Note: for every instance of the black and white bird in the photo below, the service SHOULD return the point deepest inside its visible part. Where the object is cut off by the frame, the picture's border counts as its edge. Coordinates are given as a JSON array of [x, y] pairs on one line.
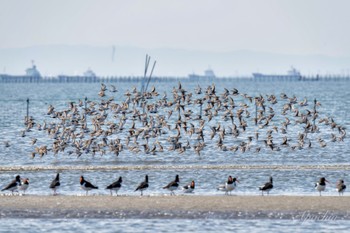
[[55, 184], [115, 186], [24, 185], [143, 186], [229, 186], [173, 185], [189, 188], [321, 185], [13, 186], [341, 187], [87, 186], [266, 187]]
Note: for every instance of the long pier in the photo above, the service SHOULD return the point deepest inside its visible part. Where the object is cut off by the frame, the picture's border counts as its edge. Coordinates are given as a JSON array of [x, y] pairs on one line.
[[136, 79]]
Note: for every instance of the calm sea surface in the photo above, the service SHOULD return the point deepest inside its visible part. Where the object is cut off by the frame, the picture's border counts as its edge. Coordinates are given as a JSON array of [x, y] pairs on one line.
[[294, 170]]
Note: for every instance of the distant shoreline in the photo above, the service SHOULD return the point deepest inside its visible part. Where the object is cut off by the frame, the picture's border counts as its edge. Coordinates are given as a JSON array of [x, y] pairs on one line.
[[285, 207]]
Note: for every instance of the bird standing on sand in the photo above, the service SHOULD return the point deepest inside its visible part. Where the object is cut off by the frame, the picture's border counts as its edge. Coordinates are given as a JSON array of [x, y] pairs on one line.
[[87, 186], [55, 184], [321, 185], [189, 188], [13, 186], [115, 186], [173, 185], [266, 187], [341, 187], [229, 185], [143, 186], [24, 185]]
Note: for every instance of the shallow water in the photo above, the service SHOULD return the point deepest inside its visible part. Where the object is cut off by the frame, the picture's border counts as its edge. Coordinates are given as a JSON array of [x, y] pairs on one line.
[[333, 97], [294, 171], [286, 182], [166, 225]]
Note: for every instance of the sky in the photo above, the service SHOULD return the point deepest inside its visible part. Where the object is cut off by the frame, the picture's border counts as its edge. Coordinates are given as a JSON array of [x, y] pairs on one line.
[[292, 29], [278, 26]]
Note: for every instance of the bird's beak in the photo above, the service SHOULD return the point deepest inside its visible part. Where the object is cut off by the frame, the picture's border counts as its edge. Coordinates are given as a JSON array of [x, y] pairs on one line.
[[327, 181], [238, 181]]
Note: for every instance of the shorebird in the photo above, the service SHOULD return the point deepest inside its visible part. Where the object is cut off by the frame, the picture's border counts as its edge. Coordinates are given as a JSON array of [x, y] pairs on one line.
[[94, 125], [228, 186], [87, 186], [13, 186], [55, 184], [115, 185], [143, 186], [266, 187], [341, 187], [321, 185], [24, 185], [173, 185], [189, 188]]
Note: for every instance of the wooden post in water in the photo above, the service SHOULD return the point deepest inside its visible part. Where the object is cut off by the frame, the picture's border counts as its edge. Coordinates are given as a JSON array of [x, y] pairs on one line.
[[85, 104], [27, 117], [314, 126], [148, 58], [149, 79], [256, 112]]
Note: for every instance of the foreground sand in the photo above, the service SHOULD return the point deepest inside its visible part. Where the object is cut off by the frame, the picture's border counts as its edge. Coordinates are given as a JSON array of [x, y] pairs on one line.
[[177, 203]]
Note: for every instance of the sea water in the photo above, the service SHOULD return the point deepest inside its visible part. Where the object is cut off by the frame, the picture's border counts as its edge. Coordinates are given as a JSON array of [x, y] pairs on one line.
[[294, 171]]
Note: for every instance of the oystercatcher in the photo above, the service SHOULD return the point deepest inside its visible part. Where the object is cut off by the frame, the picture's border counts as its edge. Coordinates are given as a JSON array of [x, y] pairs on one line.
[[341, 187], [189, 188], [13, 186], [55, 184], [143, 185], [86, 185], [115, 186], [266, 187], [24, 185], [229, 185], [173, 185], [321, 185]]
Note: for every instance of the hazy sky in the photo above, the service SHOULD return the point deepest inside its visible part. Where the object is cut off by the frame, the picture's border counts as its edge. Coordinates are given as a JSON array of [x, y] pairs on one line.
[[278, 26]]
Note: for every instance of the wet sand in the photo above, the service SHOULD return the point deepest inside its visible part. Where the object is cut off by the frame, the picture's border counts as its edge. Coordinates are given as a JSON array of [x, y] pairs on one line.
[[177, 203]]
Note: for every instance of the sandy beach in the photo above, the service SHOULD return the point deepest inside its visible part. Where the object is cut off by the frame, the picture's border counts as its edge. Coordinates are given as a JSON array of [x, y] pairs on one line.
[[61, 206]]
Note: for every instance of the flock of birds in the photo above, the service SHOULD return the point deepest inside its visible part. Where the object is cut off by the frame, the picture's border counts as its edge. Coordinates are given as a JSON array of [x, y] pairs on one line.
[[148, 123], [19, 184]]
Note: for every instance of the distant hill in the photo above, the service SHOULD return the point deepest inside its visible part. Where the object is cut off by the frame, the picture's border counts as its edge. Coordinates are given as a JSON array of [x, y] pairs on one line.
[[129, 61]]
